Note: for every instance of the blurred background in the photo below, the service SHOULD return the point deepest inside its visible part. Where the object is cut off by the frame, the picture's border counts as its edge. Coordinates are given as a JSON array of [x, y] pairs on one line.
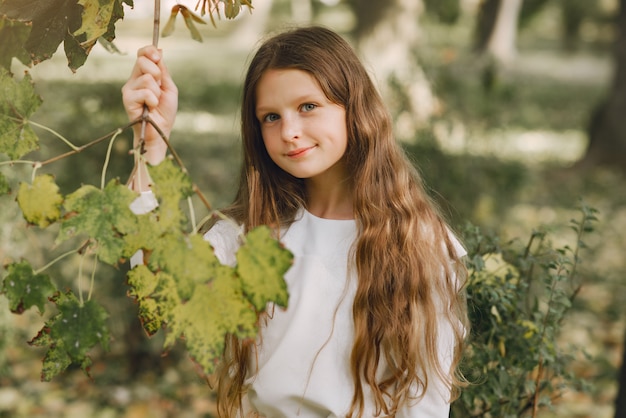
[[513, 110]]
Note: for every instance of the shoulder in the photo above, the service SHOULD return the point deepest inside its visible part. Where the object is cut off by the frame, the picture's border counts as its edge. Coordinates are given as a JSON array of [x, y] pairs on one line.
[[224, 237], [459, 249]]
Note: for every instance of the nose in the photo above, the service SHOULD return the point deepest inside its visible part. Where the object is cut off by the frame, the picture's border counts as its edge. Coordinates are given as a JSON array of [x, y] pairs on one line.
[[290, 128]]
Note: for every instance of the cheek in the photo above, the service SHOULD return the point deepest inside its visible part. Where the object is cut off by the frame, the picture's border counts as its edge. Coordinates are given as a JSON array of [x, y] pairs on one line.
[[270, 140]]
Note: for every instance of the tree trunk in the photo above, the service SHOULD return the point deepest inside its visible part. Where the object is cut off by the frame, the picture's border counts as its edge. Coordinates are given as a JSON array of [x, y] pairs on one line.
[[387, 35], [485, 22], [607, 129], [502, 43]]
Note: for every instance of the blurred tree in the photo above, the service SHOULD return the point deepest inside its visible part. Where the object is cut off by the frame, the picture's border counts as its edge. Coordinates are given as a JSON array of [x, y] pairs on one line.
[[488, 14], [502, 41], [607, 128], [573, 14], [387, 35], [446, 11]]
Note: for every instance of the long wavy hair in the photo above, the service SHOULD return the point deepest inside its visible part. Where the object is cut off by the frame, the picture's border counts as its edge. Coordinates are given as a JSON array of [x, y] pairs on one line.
[[410, 278]]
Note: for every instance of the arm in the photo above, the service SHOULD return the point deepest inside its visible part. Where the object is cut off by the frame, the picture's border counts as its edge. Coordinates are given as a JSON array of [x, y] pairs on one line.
[[151, 85]]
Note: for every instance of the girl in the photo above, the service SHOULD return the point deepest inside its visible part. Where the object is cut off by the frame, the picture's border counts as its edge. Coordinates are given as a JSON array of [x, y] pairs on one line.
[[376, 314]]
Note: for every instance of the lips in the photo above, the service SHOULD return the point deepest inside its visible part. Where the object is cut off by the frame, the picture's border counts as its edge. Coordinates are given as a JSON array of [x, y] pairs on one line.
[[299, 152]]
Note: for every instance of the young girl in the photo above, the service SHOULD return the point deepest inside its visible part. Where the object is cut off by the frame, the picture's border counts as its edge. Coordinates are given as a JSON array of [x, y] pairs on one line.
[[376, 314]]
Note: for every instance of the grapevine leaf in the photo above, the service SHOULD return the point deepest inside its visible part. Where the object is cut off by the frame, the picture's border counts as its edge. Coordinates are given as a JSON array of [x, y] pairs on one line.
[[171, 186], [55, 362], [14, 35], [41, 201], [78, 24], [103, 215], [118, 13], [189, 259], [145, 236], [71, 334], [75, 53], [156, 294], [24, 288], [18, 102], [261, 264], [212, 312], [5, 188], [95, 20], [52, 22]]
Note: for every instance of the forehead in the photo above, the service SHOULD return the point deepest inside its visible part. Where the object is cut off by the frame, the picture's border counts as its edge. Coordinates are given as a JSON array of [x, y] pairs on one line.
[[283, 84]]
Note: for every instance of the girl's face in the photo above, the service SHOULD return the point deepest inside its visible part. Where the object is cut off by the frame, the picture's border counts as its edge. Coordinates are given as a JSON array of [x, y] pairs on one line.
[[304, 133]]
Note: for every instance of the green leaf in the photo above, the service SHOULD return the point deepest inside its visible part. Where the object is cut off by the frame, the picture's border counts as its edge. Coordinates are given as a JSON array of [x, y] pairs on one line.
[[261, 263], [170, 186], [189, 259], [71, 334], [118, 13], [95, 20], [41, 201], [52, 22], [145, 235], [25, 289], [212, 312], [103, 215], [18, 102], [5, 188], [76, 23], [13, 35], [156, 295]]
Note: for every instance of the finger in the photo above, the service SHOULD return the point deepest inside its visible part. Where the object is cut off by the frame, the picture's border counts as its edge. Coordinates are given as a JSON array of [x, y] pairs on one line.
[[135, 98], [151, 52], [166, 79], [145, 66]]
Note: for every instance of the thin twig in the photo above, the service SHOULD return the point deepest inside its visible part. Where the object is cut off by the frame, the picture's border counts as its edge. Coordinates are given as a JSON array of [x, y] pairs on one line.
[[108, 158], [179, 161], [155, 43], [90, 144]]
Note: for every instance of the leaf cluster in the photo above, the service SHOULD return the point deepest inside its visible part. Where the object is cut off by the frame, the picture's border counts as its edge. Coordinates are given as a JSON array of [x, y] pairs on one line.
[[211, 7], [37, 28], [180, 286], [518, 296]]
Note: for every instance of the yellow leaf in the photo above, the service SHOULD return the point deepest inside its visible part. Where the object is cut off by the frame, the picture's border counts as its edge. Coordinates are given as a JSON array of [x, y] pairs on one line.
[[494, 312], [41, 201], [169, 27], [95, 20]]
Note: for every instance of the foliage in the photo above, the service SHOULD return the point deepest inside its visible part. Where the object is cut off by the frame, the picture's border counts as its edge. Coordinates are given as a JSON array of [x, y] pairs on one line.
[[76, 24], [181, 286], [17, 103], [518, 297], [447, 11]]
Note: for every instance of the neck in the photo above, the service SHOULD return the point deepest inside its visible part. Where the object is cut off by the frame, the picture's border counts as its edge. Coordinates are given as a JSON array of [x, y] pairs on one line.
[[329, 198]]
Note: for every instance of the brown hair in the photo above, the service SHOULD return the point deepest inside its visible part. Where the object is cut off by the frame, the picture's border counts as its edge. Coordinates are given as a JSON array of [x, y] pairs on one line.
[[409, 274]]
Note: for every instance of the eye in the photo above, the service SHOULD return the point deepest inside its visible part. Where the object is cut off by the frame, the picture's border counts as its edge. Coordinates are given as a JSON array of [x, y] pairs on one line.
[[307, 107], [271, 117]]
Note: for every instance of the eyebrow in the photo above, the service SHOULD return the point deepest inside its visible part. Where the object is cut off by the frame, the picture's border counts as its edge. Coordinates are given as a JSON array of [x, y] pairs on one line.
[[304, 98]]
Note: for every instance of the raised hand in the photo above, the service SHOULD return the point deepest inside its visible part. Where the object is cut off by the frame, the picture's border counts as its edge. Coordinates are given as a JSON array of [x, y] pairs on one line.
[[150, 84]]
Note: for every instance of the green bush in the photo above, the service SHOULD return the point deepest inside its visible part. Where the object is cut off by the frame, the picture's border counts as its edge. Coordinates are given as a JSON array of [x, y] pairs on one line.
[[518, 296]]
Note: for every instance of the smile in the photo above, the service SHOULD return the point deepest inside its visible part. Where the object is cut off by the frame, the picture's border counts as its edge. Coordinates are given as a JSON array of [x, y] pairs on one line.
[[300, 152]]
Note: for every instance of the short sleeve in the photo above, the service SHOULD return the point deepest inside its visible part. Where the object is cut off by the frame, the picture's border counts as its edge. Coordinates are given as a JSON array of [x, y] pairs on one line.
[[224, 238], [146, 202]]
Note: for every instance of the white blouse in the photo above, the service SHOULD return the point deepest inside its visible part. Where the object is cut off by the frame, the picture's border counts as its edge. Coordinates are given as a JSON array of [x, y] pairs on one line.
[[303, 351]]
